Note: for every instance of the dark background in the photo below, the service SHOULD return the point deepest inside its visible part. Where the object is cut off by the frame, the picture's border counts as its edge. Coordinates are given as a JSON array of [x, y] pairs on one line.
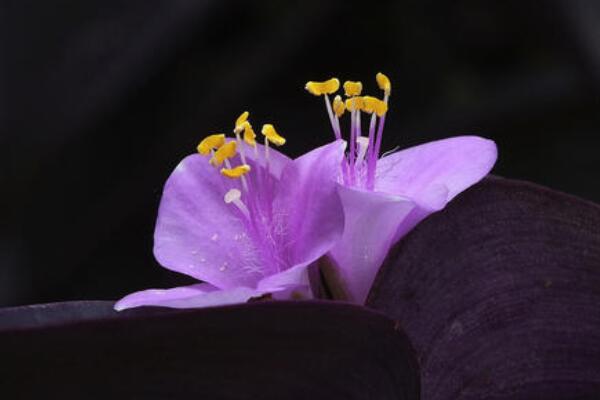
[[101, 99]]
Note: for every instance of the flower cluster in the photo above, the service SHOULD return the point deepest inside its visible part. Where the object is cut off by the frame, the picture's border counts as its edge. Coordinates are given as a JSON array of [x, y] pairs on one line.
[[384, 197], [248, 222]]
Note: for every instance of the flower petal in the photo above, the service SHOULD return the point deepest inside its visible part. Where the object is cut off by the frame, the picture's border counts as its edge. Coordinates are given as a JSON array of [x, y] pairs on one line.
[[372, 220], [194, 296], [199, 235], [433, 173], [308, 207], [296, 276], [277, 160]]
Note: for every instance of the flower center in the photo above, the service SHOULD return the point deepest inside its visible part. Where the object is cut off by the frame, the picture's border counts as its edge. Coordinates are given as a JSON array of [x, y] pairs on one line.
[[254, 196], [222, 151], [360, 163]]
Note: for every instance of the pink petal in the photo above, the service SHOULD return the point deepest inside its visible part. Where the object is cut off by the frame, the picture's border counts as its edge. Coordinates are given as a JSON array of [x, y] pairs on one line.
[[294, 277], [308, 205], [372, 220], [433, 173], [277, 161], [194, 296], [198, 234]]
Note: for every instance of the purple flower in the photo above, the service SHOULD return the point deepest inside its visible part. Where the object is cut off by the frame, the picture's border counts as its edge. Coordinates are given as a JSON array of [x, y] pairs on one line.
[[384, 198], [250, 230]]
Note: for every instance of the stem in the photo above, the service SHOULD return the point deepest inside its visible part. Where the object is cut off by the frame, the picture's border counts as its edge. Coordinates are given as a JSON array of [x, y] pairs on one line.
[[336, 128], [352, 145]]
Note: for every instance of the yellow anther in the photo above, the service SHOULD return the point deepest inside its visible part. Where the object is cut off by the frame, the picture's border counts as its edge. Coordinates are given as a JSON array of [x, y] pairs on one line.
[[354, 103], [210, 143], [271, 134], [228, 150], [374, 105], [338, 106], [235, 172], [249, 135], [352, 88], [242, 118], [384, 83], [319, 88]]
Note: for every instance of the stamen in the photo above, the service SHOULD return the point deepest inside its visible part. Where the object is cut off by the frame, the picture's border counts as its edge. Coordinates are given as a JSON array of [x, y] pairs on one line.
[[352, 88], [358, 123], [363, 145], [384, 83], [226, 151], [371, 139], [332, 120], [240, 121], [338, 111], [239, 145], [319, 88], [234, 196], [271, 134], [374, 105], [338, 106], [236, 172], [249, 135], [325, 88], [354, 103], [242, 177], [267, 163], [211, 142]]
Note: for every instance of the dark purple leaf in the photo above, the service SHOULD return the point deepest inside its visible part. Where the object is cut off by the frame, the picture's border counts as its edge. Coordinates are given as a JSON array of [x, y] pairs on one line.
[[500, 295], [262, 350]]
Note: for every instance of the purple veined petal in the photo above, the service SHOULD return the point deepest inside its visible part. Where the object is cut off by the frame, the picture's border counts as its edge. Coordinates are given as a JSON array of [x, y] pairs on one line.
[[433, 173], [193, 296], [294, 292], [308, 207], [296, 276], [372, 220], [198, 234], [277, 160], [283, 285]]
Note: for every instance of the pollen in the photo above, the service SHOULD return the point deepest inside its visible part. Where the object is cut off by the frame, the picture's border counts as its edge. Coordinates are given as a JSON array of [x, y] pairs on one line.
[[249, 135], [354, 103], [228, 150], [320, 88], [240, 121], [338, 106], [384, 83], [374, 105], [271, 134], [236, 172], [210, 143], [352, 89]]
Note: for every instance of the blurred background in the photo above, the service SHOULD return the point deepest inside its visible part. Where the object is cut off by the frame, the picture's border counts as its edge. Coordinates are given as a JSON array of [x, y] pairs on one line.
[[101, 99]]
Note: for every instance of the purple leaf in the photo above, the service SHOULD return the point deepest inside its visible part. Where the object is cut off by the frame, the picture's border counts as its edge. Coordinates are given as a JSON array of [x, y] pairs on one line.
[[267, 350], [500, 294]]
